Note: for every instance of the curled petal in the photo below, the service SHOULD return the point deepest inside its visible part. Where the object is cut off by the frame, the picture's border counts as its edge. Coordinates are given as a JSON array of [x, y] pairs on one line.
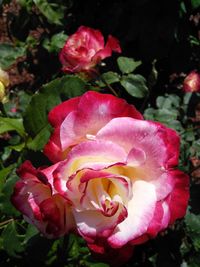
[[147, 136], [136, 157], [92, 154], [92, 224], [113, 43], [80, 118], [140, 213]]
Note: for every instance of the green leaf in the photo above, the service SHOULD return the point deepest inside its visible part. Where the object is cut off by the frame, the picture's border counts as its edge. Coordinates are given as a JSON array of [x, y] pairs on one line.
[[149, 114], [187, 98], [40, 139], [52, 254], [167, 111], [127, 65], [11, 240], [9, 54], [27, 4], [56, 42], [194, 261], [135, 85], [18, 147], [175, 124], [99, 265], [52, 11], [167, 102], [73, 246], [35, 117], [193, 222], [24, 100], [30, 232], [10, 124], [6, 206], [195, 4], [193, 228], [4, 173], [194, 41], [166, 115], [110, 77]]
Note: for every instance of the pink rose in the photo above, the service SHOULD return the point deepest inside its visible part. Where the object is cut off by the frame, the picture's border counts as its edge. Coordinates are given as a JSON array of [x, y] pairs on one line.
[[85, 49], [35, 198], [119, 170], [115, 174], [192, 82], [122, 184]]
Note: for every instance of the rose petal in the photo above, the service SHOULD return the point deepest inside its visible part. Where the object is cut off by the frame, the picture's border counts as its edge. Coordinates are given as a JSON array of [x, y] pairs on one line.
[[56, 212], [115, 257], [113, 43], [140, 213], [136, 157], [92, 154], [77, 119], [147, 136], [58, 114], [91, 224], [93, 112], [178, 199]]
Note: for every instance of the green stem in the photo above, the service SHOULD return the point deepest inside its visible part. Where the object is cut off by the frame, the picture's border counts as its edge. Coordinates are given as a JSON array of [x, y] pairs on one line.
[[144, 102], [6, 222], [109, 86]]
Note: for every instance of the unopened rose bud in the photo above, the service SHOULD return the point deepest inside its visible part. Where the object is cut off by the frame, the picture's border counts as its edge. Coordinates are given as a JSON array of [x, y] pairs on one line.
[[4, 78], [192, 82], [2, 91]]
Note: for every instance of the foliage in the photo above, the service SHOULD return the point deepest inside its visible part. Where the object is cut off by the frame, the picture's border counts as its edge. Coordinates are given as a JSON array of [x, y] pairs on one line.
[[9, 53]]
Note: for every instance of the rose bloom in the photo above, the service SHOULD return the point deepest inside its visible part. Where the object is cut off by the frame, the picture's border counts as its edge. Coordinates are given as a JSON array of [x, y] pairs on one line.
[[4, 82], [192, 82], [85, 49], [114, 180]]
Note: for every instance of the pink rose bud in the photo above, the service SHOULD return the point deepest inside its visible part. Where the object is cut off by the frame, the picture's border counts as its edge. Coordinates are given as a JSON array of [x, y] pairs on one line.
[[85, 49], [192, 82]]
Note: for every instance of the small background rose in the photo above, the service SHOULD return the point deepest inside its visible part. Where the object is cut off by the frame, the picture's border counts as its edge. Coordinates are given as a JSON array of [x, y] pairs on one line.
[[192, 82], [85, 49]]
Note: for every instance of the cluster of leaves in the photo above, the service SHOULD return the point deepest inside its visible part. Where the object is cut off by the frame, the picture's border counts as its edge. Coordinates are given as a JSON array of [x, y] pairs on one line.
[[24, 133], [134, 84]]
